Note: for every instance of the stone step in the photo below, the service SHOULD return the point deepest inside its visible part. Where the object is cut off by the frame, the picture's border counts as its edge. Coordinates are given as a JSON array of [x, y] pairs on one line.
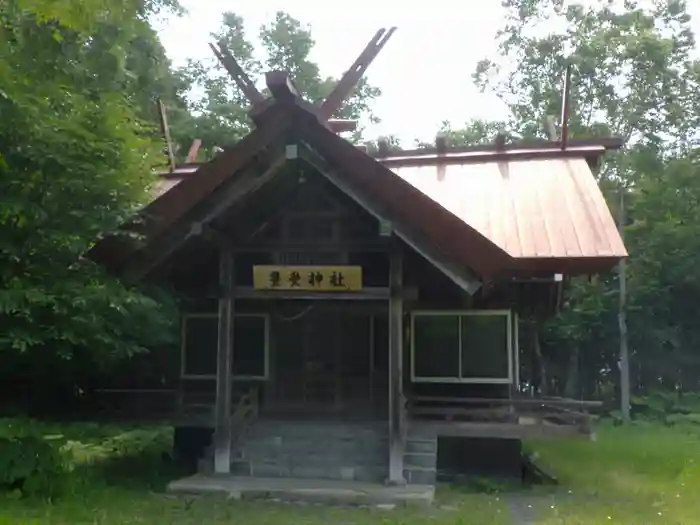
[[420, 460], [420, 457], [421, 446], [328, 454], [320, 461], [324, 434], [420, 476], [311, 440], [264, 469], [333, 450]]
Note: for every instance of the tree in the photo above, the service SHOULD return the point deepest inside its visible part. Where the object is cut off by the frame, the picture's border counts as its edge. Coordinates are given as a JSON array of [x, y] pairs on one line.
[[76, 158], [220, 112], [473, 133], [634, 76]]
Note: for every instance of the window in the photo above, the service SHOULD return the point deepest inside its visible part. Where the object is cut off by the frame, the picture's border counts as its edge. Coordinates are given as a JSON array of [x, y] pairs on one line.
[[462, 347], [200, 336]]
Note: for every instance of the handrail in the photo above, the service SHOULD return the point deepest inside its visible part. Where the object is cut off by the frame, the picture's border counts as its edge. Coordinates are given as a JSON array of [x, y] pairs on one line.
[[523, 401], [527, 411], [245, 412]]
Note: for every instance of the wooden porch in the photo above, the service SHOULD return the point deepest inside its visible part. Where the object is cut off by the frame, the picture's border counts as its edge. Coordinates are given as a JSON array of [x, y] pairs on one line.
[[508, 418]]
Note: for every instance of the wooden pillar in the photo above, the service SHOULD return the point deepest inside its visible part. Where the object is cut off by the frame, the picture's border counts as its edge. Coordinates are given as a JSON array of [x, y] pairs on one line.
[[222, 432], [397, 416]]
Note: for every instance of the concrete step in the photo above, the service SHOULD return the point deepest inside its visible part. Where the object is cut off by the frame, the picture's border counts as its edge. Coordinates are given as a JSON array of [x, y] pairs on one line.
[[312, 491], [421, 446], [356, 451], [420, 460], [420, 476], [348, 473], [420, 457]]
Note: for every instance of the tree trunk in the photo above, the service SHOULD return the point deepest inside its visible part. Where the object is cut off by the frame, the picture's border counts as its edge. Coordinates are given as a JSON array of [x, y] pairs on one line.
[[572, 374], [539, 360]]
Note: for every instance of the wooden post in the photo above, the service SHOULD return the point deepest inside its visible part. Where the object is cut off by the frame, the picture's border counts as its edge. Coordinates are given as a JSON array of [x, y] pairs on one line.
[[622, 321], [397, 416], [222, 432], [165, 129], [565, 107]]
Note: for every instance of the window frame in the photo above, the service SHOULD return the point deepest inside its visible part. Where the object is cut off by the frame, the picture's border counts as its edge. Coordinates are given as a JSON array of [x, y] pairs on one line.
[[458, 379], [183, 349]]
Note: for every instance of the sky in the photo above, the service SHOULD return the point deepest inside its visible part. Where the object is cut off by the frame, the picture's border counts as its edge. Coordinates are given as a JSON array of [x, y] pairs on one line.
[[424, 70]]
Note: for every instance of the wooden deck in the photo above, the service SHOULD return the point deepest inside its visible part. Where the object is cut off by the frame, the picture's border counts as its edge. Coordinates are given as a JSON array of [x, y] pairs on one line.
[[516, 418], [508, 418]]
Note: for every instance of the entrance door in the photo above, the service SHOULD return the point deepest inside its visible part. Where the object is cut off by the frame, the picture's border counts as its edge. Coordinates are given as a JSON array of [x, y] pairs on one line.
[[324, 364], [321, 362]]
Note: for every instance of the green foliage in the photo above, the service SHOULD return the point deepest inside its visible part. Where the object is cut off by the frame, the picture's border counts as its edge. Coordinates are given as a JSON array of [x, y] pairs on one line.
[[473, 133], [75, 161], [633, 72], [669, 408], [31, 466], [635, 75], [113, 482]]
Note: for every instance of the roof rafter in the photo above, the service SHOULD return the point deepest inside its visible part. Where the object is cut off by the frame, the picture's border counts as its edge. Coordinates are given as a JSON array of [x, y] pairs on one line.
[[242, 80], [285, 87], [353, 75]]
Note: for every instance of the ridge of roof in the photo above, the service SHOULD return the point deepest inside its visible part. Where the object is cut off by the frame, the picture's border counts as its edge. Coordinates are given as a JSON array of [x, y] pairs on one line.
[[524, 150]]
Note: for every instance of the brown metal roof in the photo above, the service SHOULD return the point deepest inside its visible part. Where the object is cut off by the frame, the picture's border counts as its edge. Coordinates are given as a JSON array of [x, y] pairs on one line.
[[164, 185], [496, 217], [405, 206], [532, 209]]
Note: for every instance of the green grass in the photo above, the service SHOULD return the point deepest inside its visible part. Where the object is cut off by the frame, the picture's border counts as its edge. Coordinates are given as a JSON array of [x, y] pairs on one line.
[[641, 474], [119, 477]]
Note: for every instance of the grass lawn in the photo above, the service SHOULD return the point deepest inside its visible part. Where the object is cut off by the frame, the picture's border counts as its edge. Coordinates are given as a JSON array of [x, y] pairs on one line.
[[642, 474], [120, 476], [632, 475]]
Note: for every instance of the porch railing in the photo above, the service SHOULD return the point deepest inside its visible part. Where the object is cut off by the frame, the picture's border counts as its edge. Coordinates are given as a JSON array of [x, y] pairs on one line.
[[540, 412], [244, 413]]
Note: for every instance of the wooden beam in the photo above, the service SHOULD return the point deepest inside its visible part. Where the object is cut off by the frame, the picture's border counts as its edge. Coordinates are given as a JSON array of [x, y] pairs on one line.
[[224, 360], [503, 430], [281, 86], [607, 143], [492, 156], [397, 403], [239, 76], [550, 128], [500, 414], [527, 401], [339, 125], [441, 143], [194, 149], [379, 246], [353, 75], [372, 293], [383, 146], [165, 129], [461, 276], [564, 125], [162, 247]]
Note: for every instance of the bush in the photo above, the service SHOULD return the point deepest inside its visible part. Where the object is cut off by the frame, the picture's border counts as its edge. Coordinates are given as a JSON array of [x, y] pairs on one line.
[[30, 466], [669, 408]]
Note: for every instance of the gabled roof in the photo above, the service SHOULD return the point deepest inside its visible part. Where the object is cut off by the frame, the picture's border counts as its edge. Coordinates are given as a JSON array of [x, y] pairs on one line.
[[179, 200], [547, 213], [531, 210]]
